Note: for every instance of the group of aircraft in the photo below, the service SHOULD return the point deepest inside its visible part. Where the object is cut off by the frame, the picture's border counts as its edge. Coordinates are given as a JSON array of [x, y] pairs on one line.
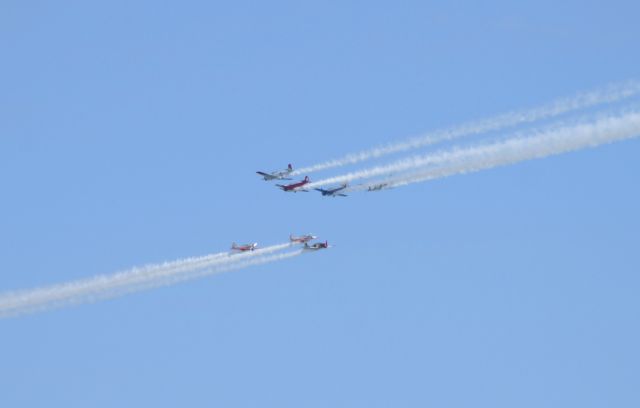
[[299, 186], [294, 187], [303, 239]]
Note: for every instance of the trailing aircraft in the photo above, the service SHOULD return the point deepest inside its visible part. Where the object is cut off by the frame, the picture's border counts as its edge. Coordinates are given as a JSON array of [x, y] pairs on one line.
[[276, 175], [378, 187]]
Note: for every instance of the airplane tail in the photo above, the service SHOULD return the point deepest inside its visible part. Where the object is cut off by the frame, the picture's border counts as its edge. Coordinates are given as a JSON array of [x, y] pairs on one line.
[[290, 167]]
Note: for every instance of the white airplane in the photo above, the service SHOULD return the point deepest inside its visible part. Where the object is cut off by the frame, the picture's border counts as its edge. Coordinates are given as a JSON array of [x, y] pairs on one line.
[[245, 247], [276, 175], [302, 239]]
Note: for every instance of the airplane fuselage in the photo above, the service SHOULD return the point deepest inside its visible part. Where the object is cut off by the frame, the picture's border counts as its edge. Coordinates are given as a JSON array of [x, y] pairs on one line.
[[276, 175], [292, 187], [244, 248], [295, 186], [316, 246], [303, 239], [334, 192]]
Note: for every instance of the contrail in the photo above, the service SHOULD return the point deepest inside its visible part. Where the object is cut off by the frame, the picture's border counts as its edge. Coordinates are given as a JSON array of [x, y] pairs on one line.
[[108, 286], [198, 273], [414, 162], [609, 94], [543, 144]]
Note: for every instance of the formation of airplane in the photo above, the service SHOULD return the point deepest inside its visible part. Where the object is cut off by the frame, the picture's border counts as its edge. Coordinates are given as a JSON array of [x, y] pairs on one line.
[[295, 187], [276, 175], [299, 185], [245, 247], [333, 192], [303, 239]]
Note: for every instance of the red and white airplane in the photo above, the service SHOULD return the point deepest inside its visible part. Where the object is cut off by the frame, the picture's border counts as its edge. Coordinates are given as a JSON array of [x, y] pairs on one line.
[[245, 247], [295, 187], [302, 239], [276, 175], [316, 246]]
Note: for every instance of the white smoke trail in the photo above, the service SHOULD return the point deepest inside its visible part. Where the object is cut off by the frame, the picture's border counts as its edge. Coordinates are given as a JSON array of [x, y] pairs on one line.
[[584, 100], [543, 144], [414, 162], [198, 273], [108, 286]]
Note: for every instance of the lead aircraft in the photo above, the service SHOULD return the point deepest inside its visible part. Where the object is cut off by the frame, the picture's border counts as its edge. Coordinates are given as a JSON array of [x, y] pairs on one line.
[[276, 175], [303, 239]]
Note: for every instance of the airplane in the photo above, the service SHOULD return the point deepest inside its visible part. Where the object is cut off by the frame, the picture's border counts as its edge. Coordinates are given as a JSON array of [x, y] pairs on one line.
[[276, 175], [295, 187], [334, 192], [317, 246], [302, 239], [377, 187], [245, 247]]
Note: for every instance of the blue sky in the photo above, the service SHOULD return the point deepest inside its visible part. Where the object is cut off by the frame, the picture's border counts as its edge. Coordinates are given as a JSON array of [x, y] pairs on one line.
[[129, 134]]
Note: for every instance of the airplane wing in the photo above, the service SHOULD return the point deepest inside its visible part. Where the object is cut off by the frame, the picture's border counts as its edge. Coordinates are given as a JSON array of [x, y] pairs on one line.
[[266, 176]]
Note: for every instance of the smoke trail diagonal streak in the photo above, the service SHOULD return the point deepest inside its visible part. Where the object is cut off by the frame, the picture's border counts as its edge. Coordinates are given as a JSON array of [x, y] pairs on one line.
[[414, 162], [106, 286], [610, 94], [553, 142]]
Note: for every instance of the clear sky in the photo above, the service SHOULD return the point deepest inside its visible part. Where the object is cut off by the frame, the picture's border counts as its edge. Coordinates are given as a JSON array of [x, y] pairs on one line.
[[130, 133]]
